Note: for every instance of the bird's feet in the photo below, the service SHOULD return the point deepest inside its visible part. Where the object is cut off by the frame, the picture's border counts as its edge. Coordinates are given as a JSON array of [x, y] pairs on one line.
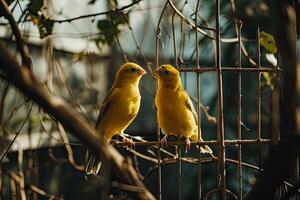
[[164, 141], [127, 142], [187, 145]]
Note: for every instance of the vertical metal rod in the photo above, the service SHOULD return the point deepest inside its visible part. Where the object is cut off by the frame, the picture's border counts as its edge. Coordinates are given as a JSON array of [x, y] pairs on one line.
[[199, 137], [239, 111], [159, 196], [174, 39], [158, 136], [258, 100], [198, 99], [178, 149], [196, 32], [297, 175], [275, 102], [179, 171], [157, 49], [220, 120]]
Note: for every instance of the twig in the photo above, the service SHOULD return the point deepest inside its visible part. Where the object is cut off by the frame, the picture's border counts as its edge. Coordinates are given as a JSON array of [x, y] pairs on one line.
[[28, 84], [137, 166], [68, 148], [21, 181], [205, 109], [14, 110], [137, 43], [54, 64], [17, 133], [117, 37], [13, 190], [97, 14], [2, 101], [26, 60], [32, 187], [244, 50]]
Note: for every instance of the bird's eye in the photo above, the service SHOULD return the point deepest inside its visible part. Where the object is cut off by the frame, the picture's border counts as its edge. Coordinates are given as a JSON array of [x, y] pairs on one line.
[[166, 72], [132, 69]]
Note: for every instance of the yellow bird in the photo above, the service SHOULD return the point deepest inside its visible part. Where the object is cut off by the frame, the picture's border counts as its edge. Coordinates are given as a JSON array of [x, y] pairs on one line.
[[176, 114], [119, 109], [268, 42]]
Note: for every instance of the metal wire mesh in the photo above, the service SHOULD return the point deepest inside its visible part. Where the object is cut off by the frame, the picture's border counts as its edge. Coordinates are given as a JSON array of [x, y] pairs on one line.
[[222, 143]]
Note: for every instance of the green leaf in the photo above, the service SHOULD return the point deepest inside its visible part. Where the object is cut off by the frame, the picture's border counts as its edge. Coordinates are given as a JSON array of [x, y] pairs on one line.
[[107, 35], [120, 19], [45, 26], [108, 30], [104, 25], [35, 6]]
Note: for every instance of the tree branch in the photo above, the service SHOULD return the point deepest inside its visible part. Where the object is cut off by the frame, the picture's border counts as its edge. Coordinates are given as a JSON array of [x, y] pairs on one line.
[[97, 14], [27, 83], [26, 60]]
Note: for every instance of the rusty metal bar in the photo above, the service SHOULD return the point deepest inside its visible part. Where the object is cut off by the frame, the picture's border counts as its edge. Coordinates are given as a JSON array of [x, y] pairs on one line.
[[178, 148], [199, 137], [208, 142], [220, 122], [230, 69], [174, 40], [239, 112], [258, 98], [199, 184], [159, 165], [157, 51]]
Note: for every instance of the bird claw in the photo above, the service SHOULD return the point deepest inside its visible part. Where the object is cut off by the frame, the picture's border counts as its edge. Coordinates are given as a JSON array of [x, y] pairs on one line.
[[187, 145], [164, 142], [128, 142]]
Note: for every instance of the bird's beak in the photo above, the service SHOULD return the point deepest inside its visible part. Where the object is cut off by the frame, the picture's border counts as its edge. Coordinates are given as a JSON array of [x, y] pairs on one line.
[[156, 72], [142, 72]]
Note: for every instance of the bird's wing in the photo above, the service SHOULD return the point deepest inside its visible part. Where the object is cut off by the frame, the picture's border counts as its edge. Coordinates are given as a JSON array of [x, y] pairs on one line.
[[190, 106], [105, 106]]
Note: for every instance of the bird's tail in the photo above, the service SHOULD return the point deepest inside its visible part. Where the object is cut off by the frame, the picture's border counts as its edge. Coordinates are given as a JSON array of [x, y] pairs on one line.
[[92, 163], [203, 148]]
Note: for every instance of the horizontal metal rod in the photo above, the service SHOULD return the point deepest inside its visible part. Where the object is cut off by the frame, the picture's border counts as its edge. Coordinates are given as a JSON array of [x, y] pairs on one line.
[[231, 69], [213, 142]]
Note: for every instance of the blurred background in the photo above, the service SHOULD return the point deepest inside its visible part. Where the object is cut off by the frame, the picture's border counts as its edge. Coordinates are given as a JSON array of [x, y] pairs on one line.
[[76, 48]]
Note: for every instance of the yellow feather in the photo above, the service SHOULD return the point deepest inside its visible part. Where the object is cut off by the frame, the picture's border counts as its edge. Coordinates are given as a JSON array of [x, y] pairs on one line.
[[119, 108], [122, 103], [175, 112]]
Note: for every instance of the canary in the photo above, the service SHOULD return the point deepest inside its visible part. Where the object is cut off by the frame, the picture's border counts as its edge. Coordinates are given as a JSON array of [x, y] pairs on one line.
[[268, 42], [176, 114], [119, 109]]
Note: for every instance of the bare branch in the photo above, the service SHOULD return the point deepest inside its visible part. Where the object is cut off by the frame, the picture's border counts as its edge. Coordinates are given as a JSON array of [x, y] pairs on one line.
[[68, 148], [17, 133], [26, 60], [27, 83], [32, 187], [100, 13]]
